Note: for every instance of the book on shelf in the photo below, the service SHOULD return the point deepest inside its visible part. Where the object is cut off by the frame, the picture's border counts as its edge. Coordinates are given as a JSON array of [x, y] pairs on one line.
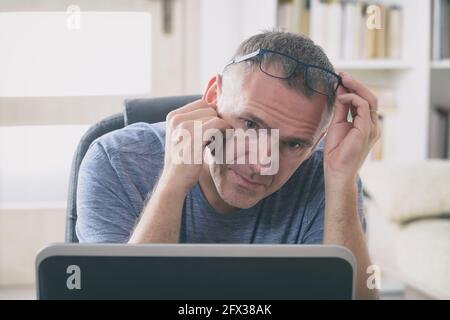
[[440, 48], [339, 27], [394, 40], [440, 133], [293, 16], [305, 16], [284, 13], [333, 34], [350, 29]]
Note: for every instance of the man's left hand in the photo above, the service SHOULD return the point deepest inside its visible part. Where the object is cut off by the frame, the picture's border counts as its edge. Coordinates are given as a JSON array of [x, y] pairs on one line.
[[348, 143]]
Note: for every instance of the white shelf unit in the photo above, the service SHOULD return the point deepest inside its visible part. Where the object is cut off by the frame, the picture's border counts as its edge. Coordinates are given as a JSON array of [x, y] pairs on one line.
[[440, 64], [406, 130], [380, 64]]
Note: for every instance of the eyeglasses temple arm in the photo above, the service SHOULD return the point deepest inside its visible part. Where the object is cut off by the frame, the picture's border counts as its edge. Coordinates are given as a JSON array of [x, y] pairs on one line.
[[244, 57]]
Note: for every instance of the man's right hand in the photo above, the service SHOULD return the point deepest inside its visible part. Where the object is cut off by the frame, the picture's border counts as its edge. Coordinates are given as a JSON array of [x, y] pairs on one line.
[[183, 175], [160, 220]]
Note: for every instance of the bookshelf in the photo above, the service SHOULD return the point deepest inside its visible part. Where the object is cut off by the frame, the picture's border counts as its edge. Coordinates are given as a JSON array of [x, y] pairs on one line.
[[379, 64], [418, 81], [441, 64], [439, 135]]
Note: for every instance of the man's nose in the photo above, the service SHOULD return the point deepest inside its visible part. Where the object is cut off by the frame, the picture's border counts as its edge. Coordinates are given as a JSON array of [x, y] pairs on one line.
[[268, 154], [262, 159], [260, 169]]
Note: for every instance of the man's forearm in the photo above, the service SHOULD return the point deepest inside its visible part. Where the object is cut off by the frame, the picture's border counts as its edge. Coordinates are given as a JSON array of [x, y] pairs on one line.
[[343, 227], [161, 218]]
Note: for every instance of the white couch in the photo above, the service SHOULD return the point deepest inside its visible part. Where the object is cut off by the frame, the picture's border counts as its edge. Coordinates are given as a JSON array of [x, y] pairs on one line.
[[409, 222]]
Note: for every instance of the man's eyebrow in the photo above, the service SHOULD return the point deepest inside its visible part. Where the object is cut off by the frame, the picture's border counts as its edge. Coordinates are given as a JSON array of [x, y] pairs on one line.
[[305, 142]]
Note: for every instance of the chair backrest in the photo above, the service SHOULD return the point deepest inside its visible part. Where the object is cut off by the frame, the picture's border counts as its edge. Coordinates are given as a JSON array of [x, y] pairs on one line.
[[135, 110]]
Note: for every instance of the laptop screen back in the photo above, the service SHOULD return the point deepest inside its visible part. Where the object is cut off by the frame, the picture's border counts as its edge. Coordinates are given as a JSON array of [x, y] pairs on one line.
[[190, 275]]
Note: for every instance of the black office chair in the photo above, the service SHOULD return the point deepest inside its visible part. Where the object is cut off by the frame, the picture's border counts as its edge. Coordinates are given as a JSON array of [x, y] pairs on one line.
[[136, 110]]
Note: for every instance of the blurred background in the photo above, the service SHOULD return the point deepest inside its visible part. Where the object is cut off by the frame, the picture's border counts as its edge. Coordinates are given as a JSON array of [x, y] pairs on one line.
[[66, 65]]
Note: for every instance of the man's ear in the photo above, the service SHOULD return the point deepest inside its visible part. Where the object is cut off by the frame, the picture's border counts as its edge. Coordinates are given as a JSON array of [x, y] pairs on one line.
[[213, 90]]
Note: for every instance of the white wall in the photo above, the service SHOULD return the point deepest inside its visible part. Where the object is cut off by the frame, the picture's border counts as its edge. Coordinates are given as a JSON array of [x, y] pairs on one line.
[[104, 53], [225, 24], [55, 76]]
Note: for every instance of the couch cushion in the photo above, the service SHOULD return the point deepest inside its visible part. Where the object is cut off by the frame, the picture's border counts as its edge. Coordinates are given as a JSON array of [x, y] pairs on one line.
[[409, 191], [423, 256]]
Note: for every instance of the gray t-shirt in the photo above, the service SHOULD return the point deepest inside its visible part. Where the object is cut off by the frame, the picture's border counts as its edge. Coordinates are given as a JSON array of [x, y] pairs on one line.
[[122, 167]]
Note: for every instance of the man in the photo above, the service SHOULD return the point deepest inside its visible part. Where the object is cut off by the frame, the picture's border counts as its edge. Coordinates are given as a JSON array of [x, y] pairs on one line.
[[132, 189]]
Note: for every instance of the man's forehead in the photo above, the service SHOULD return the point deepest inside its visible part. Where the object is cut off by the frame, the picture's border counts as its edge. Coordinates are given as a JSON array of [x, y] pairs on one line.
[[259, 85]]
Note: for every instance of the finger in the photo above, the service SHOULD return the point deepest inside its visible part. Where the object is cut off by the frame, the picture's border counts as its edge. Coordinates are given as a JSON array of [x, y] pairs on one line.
[[342, 89], [196, 114], [376, 133], [213, 106], [207, 137], [374, 116], [361, 107], [214, 123], [340, 112], [198, 104], [360, 121], [373, 113], [361, 90]]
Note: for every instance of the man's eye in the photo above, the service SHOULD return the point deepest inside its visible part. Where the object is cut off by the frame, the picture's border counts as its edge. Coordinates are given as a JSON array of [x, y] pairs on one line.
[[249, 124], [293, 145]]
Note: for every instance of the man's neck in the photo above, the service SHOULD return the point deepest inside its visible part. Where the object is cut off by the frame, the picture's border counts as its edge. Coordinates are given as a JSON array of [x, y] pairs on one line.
[[209, 190]]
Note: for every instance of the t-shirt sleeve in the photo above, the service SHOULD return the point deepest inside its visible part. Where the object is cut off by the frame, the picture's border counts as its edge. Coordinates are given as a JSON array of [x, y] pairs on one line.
[[314, 235], [105, 212]]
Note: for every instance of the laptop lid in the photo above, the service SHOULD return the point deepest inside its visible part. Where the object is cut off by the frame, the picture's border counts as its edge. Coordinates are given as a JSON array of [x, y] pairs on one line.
[[195, 271]]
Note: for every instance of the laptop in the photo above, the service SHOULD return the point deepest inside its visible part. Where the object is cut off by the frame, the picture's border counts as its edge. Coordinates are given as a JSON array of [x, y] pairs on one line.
[[195, 272]]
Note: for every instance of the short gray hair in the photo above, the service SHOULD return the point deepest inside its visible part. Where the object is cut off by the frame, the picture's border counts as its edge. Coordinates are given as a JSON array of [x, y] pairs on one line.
[[296, 46]]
